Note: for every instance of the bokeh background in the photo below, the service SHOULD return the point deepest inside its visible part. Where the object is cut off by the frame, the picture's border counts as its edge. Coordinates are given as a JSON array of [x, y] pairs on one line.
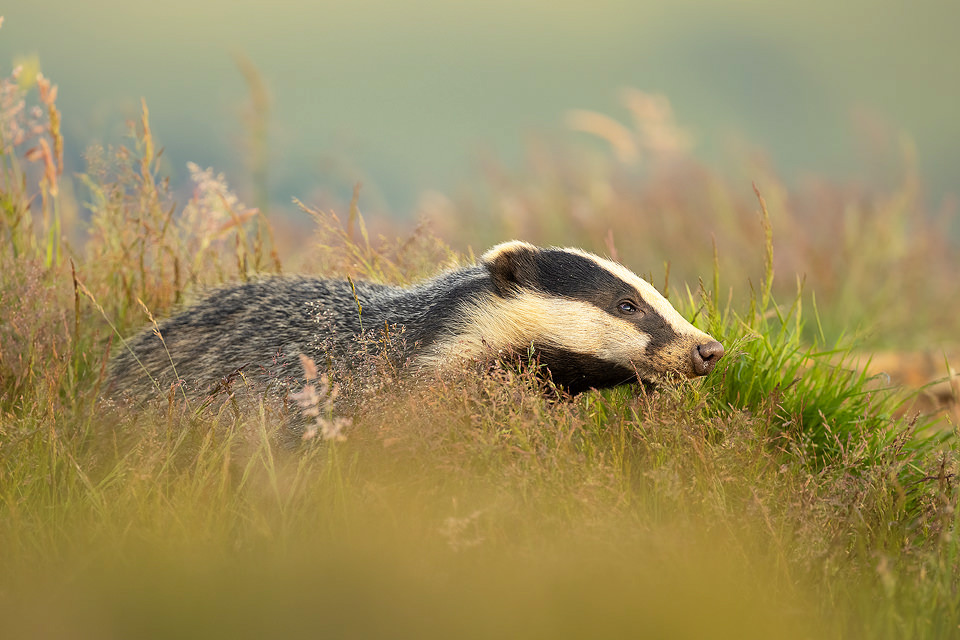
[[410, 96]]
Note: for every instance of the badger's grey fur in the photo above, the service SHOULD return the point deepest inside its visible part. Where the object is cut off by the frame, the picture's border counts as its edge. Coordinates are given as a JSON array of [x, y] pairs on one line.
[[591, 322]]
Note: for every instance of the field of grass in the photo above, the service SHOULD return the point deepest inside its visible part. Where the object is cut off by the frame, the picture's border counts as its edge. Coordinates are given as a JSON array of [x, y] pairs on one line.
[[783, 496]]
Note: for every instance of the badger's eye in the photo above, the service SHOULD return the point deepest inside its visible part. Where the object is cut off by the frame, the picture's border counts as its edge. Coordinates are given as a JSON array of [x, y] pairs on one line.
[[627, 308]]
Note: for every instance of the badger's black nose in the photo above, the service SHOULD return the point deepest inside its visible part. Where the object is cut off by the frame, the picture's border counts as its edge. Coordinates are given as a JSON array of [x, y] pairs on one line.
[[705, 357]]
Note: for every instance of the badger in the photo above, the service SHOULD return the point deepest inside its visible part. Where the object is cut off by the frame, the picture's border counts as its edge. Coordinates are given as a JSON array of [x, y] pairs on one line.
[[588, 321]]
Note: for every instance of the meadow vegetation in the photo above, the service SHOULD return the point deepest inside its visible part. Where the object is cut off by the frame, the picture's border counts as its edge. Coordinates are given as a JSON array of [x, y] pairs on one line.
[[785, 495]]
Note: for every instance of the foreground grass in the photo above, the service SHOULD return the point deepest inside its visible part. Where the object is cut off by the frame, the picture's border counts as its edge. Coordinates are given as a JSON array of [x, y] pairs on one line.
[[474, 508], [780, 497]]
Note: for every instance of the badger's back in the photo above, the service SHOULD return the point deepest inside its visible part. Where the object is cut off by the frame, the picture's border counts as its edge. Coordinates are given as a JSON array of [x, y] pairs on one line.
[[256, 328]]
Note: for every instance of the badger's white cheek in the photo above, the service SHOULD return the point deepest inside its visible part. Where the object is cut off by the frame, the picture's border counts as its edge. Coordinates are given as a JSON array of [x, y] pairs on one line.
[[624, 345], [583, 328]]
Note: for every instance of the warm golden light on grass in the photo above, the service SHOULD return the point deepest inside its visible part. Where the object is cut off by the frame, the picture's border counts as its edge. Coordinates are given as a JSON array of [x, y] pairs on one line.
[[779, 497]]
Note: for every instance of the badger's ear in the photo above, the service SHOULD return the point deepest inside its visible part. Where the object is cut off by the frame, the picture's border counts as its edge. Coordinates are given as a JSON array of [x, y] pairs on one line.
[[512, 265]]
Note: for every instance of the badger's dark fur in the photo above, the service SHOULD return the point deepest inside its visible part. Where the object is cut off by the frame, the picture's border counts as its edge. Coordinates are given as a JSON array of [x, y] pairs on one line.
[[590, 321]]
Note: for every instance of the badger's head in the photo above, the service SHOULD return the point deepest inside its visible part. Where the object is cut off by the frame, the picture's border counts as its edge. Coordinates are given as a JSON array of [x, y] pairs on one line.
[[592, 322]]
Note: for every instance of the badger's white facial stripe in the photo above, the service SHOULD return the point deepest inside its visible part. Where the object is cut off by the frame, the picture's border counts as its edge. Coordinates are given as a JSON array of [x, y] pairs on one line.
[[498, 324], [650, 295]]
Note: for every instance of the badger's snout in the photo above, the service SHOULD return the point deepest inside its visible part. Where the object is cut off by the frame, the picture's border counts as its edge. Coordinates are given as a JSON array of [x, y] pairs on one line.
[[705, 357]]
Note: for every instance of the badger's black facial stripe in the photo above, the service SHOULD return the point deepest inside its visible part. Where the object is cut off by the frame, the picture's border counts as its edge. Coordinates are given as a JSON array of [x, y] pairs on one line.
[[660, 332], [558, 273], [569, 275]]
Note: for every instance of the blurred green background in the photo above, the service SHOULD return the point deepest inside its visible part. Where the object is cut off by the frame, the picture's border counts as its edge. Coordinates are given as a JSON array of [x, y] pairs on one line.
[[407, 96]]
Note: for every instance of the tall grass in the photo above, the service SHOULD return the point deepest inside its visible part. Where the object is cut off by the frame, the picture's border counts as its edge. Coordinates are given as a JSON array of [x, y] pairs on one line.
[[779, 497]]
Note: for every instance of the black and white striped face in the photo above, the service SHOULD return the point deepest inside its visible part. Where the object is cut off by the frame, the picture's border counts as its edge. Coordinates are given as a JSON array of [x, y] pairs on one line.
[[593, 322]]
